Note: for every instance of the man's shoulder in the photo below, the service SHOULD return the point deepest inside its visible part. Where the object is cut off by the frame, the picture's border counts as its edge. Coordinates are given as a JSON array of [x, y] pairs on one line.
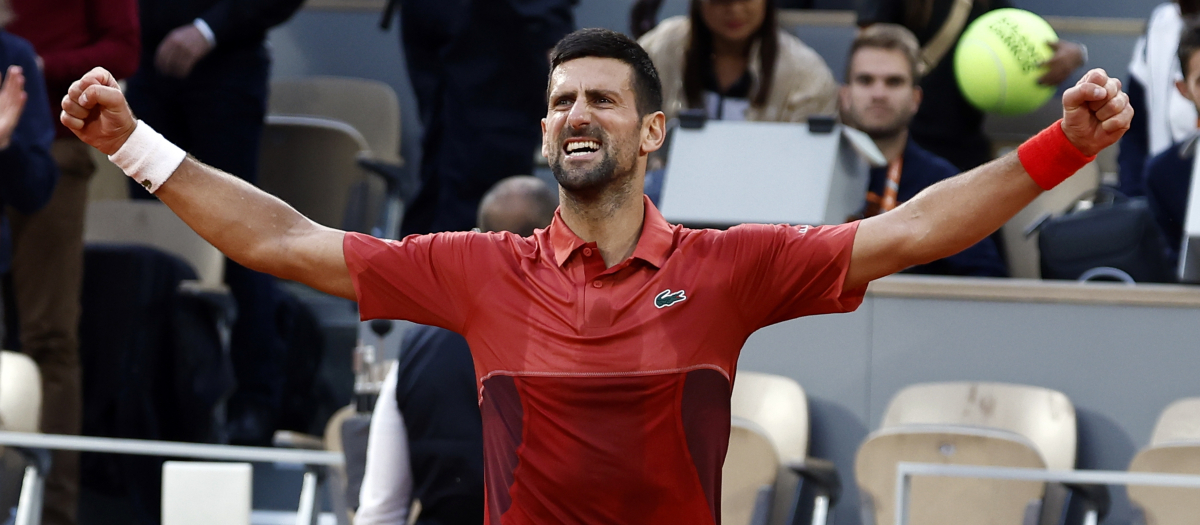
[[927, 164], [1174, 162], [17, 49]]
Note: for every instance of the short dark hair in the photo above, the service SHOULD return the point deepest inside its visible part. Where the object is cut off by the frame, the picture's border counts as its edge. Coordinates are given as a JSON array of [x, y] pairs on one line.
[[1189, 43], [604, 43], [892, 37]]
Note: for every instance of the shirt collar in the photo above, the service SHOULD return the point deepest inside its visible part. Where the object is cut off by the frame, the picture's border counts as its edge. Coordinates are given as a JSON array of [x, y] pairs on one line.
[[653, 246]]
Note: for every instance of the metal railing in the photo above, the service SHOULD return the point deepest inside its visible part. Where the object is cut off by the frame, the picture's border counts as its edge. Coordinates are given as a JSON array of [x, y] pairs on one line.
[[36, 448]]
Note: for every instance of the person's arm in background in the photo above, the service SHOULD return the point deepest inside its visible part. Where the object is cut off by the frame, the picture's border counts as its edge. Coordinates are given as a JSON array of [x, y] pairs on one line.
[[27, 171], [386, 493], [115, 44], [1135, 145], [227, 21]]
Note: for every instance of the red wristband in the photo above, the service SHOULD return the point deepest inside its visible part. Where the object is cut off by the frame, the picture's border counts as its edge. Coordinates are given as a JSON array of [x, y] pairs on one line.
[[1049, 157]]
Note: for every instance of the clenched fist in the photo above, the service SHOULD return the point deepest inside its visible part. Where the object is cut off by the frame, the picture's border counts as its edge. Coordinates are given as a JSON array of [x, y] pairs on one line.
[[96, 111]]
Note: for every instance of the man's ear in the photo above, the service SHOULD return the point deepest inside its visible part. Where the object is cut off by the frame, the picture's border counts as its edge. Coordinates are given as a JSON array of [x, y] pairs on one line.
[[918, 96], [1182, 86], [654, 132], [545, 145]]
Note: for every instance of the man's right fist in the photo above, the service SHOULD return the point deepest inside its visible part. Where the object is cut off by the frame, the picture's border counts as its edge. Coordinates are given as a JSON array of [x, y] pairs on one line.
[[96, 111]]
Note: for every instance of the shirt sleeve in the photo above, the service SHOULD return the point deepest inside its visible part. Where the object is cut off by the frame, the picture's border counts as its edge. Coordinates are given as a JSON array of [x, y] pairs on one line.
[[236, 20], [782, 272], [386, 492], [422, 278], [27, 171]]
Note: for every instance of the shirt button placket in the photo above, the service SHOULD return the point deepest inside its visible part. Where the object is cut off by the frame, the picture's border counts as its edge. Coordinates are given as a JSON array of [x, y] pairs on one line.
[[597, 284]]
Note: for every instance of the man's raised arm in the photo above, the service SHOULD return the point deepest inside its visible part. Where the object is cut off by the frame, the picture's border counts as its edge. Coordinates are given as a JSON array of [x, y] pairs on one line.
[[956, 213], [250, 226]]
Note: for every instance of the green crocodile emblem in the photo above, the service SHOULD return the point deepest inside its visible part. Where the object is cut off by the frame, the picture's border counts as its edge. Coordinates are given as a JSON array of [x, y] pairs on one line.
[[666, 298]]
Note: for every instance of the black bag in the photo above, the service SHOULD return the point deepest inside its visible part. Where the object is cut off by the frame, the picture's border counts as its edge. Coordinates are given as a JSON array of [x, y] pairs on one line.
[[1115, 238]]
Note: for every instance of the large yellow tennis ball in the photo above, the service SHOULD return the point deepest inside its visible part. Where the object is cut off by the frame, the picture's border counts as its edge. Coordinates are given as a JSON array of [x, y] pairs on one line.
[[998, 61]]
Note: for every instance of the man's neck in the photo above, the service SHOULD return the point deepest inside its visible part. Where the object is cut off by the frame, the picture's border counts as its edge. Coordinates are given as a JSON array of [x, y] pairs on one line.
[[613, 221], [892, 147]]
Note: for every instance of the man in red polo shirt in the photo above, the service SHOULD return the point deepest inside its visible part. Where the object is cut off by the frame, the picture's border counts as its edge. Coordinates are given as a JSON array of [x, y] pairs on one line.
[[606, 344]]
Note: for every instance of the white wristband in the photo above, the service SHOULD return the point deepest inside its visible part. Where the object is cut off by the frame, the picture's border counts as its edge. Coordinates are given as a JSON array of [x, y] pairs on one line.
[[148, 157]]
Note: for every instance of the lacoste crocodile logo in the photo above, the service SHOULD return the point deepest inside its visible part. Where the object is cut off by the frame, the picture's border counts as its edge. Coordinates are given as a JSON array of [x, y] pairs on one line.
[[666, 298]]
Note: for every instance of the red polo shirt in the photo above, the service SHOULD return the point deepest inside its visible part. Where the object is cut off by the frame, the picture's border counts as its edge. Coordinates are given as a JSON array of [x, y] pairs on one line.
[[605, 391]]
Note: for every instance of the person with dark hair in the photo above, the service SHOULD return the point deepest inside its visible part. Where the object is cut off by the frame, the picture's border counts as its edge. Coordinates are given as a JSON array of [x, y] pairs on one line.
[[947, 125], [70, 37], [1168, 180], [731, 59], [476, 68], [1164, 115], [426, 440], [880, 97], [605, 346]]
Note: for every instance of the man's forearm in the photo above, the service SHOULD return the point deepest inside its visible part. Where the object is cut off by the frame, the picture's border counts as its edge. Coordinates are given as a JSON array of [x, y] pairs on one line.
[[247, 224], [958, 212], [942, 220]]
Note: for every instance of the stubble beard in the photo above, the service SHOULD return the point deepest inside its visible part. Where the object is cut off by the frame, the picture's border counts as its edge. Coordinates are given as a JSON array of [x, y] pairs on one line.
[[604, 182]]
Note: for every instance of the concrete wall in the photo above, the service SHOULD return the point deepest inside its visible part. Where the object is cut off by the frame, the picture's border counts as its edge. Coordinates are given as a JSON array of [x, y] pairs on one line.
[[1119, 365]]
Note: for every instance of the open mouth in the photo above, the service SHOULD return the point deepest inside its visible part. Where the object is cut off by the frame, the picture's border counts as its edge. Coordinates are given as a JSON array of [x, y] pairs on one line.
[[581, 147]]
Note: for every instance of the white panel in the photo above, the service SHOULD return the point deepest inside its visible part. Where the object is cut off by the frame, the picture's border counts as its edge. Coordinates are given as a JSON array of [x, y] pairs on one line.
[[198, 493], [766, 172]]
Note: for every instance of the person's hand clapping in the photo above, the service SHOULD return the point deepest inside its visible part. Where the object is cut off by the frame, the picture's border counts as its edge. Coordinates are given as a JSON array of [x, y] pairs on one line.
[[1095, 112], [96, 111], [12, 103], [180, 50]]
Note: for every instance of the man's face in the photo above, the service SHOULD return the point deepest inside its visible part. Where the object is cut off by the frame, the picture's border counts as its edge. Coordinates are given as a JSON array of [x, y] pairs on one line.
[[592, 134], [880, 99], [1189, 87]]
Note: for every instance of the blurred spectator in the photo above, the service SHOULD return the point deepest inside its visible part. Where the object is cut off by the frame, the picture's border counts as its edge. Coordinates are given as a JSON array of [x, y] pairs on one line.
[[730, 58], [202, 83], [1169, 174], [1164, 116], [880, 98], [478, 68], [947, 125], [426, 438], [70, 37]]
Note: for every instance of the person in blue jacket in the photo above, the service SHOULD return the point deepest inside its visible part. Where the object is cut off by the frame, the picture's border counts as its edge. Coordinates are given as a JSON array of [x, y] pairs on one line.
[[27, 172], [1168, 178], [880, 98]]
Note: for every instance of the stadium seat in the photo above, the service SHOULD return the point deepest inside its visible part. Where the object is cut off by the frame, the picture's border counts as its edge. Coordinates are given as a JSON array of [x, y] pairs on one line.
[[768, 476], [150, 223], [312, 164], [20, 393], [341, 486], [370, 107], [1175, 449], [971, 423], [21, 411]]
